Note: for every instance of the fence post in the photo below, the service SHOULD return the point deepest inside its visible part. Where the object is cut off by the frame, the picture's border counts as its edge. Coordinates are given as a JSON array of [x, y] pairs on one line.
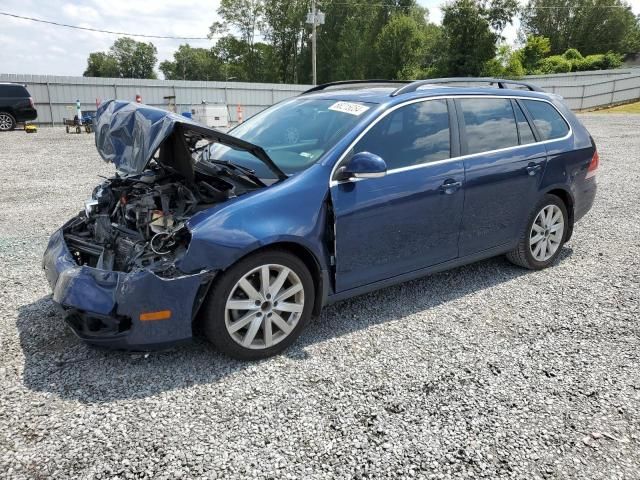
[[50, 106], [613, 91], [584, 87], [115, 91]]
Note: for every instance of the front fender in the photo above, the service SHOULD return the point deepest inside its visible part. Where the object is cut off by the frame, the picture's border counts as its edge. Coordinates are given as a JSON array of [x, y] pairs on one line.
[[292, 211]]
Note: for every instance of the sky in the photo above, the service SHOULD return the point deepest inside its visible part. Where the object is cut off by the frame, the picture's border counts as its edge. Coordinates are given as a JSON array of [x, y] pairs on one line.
[[36, 48]]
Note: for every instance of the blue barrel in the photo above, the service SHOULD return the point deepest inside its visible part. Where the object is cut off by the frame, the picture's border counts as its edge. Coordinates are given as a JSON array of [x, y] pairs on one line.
[[187, 114]]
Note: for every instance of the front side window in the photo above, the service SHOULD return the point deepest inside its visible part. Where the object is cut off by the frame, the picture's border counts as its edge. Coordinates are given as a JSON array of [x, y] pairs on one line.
[[547, 120], [411, 135], [294, 133], [489, 124]]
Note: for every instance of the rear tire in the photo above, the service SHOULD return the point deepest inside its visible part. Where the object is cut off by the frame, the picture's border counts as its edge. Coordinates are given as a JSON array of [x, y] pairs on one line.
[[7, 122], [247, 318], [544, 235]]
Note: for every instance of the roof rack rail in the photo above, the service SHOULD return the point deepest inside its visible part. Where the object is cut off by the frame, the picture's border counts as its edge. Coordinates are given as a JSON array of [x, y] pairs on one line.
[[324, 86], [413, 86]]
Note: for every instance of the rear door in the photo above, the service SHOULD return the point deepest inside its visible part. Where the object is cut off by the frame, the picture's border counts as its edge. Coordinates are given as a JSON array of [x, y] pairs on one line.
[[410, 218], [503, 167]]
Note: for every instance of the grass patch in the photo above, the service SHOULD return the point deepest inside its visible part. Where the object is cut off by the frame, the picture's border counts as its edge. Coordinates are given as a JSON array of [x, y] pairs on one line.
[[628, 108]]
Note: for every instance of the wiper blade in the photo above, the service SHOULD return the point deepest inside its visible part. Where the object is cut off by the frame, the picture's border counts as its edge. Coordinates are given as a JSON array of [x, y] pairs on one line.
[[257, 151], [247, 172]]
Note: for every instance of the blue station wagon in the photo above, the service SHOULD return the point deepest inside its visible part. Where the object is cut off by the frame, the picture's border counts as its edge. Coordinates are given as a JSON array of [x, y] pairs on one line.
[[347, 188]]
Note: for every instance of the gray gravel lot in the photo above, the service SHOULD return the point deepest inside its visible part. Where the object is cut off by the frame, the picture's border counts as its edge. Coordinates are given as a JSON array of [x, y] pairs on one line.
[[484, 371]]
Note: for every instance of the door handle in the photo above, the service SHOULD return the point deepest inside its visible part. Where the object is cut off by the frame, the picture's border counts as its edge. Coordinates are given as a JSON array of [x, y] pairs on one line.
[[532, 168], [450, 187]]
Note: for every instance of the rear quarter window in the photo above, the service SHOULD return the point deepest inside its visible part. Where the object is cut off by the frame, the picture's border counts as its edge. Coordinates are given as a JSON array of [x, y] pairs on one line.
[[13, 91], [548, 121]]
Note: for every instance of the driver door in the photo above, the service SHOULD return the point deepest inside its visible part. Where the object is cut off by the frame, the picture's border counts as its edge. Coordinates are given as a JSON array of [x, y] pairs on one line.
[[410, 218]]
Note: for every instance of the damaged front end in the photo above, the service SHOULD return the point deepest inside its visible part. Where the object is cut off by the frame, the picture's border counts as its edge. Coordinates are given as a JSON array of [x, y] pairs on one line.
[[114, 268], [138, 222]]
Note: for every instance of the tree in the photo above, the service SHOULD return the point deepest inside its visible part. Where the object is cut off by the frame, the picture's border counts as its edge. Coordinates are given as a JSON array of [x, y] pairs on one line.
[[631, 41], [126, 58], [533, 52], [590, 26], [469, 41], [192, 64], [135, 59], [284, 27], [101, 64], [400, 48], [246, 16]]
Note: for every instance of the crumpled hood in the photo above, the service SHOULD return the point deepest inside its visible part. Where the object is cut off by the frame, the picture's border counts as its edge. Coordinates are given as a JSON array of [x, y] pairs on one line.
[[128, 134]]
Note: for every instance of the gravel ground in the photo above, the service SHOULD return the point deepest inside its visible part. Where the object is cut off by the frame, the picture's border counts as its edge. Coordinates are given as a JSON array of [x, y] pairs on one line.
[[484, 371]]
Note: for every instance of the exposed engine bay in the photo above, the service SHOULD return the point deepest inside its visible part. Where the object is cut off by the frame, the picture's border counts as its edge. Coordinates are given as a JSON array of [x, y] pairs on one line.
[[137, 219], [134, 222]]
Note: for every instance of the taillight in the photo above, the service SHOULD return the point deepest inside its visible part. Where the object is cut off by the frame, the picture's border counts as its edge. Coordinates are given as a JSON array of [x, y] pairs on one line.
[[593, 166], [31, 102]]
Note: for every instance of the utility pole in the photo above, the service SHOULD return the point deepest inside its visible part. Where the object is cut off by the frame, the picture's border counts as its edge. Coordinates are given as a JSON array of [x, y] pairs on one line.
[[315, 18], [314, 36]]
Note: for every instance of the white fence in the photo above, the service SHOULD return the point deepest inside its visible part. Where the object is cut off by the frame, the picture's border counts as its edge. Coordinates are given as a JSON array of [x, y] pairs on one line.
[[587, 90], [55, 96]]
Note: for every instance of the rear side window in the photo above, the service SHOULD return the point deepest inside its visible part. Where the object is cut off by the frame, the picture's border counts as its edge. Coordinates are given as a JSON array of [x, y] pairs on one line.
[[13, 91], [524, 129], [411, 135], [489, 124], [547, 120]]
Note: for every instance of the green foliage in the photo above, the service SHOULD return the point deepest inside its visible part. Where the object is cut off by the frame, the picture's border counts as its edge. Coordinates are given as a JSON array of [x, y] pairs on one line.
[[631, 41], [534, 51], [284, 27], [469, 41], [600, 61], [514, 68], [400, 48], [535, 61], [192, 64], [126, 58], [390, 39], [101, 64], [554, 64], [572, 54], [590, 26], [506, 64]]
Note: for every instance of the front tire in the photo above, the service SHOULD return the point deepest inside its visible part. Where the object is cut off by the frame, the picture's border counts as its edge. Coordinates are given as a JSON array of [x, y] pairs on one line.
[[7, 122], [259, 306], [542, 240]]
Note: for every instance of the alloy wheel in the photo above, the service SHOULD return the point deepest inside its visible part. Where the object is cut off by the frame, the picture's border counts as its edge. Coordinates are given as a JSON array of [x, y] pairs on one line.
[[6, 122], [264, 306], [546, 233]]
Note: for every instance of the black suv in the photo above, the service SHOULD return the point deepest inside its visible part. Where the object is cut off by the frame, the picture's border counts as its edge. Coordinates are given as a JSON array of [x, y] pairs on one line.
[[16, 105]]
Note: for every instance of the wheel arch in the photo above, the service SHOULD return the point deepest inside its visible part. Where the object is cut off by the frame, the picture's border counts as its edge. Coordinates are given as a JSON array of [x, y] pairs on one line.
[[567, 199], [310, 260]]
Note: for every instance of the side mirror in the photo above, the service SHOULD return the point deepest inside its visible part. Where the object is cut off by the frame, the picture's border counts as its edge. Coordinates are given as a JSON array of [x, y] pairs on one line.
[[362, 165]]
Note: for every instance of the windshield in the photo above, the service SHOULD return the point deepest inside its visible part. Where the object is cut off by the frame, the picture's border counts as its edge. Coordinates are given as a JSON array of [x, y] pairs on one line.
[[294, 133]]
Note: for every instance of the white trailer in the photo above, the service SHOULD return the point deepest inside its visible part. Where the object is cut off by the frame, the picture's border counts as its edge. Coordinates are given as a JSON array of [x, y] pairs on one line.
[[216, 115]]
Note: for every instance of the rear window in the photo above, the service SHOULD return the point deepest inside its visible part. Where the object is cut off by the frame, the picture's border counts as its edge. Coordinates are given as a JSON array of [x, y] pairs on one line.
[[489, 124], [547, 120], [13, 91]]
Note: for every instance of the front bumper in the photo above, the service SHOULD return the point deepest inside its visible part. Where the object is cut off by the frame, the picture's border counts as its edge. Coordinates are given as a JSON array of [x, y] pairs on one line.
[[104, 307]]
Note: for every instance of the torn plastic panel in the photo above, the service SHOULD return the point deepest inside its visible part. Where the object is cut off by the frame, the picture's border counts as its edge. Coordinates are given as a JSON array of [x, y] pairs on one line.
[[104, 307], [129, 134]]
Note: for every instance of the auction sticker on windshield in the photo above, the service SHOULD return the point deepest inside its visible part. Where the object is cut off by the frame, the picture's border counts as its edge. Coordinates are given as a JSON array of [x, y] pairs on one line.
[[349, 107]]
